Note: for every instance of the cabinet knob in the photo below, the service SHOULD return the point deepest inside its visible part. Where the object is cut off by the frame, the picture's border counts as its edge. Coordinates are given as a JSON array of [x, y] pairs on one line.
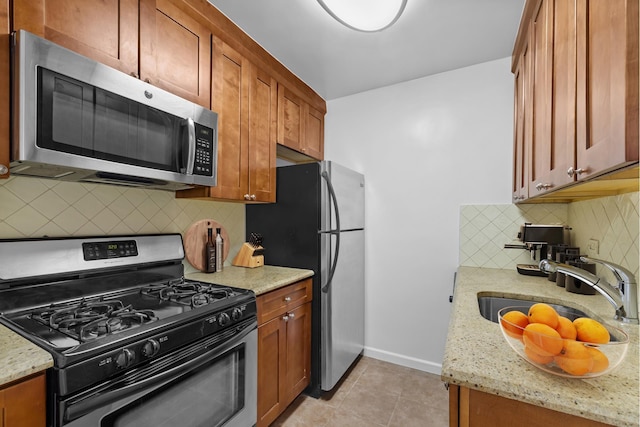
[[147, 80], [292, 315], [287, 299], [572, 172], [253, 197], [285, 318], [134, 74], [3, 169], [247, 197], [540, 186]]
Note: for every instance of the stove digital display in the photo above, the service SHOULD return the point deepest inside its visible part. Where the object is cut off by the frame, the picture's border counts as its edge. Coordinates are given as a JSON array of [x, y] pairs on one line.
[[107, 250]]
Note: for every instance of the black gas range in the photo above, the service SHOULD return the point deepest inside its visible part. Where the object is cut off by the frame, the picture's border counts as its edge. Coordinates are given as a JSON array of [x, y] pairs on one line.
[[116, 312]]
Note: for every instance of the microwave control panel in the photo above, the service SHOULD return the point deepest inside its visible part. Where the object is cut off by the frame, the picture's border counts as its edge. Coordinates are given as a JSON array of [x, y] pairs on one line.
[[203, 164]]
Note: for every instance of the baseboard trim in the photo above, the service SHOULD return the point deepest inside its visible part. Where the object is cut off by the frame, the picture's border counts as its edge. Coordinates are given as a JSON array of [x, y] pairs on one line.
[[402, 360]]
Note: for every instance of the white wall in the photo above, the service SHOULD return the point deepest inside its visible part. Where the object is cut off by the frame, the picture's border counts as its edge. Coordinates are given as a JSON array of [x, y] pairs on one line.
[[426, 147]]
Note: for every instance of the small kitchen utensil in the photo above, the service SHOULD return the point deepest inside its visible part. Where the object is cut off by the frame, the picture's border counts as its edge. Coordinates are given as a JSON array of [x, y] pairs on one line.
[[251, 253]]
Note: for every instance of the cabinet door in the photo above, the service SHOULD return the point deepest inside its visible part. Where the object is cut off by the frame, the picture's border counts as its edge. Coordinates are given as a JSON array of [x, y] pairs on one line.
[[298, 351], [563, 134], [23, 404], [290, 119], [230, 100], [542, 54], [106, 31], [522, 127], [5, 83], [271, 366], [263, 112], [314, 134], [175, 50], [607, 86]]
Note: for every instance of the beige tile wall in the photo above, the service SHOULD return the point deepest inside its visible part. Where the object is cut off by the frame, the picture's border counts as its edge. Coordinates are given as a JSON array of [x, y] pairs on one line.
[[613, 221], [31, 207], [485, 229]]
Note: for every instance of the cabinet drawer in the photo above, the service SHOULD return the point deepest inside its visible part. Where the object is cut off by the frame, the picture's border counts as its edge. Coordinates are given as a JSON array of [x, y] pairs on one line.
[[281, 300]]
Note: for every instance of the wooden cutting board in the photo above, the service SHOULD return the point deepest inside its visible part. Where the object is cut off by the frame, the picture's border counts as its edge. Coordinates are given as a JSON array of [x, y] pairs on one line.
[[195, 240]]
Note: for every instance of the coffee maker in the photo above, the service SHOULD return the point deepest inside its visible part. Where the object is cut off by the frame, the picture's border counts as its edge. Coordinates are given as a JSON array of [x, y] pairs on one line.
[[537, 239]]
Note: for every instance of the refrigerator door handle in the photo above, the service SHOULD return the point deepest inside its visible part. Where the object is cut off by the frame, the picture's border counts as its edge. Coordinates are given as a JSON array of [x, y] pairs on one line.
[[332, 193]]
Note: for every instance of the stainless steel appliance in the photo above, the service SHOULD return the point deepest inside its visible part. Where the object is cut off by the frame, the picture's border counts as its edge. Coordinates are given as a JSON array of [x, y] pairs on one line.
[[317, 223], [75, 119], [134, 343]]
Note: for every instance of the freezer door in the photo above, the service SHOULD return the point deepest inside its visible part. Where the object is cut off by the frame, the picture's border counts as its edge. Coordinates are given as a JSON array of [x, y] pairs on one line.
[[349, 191], [343, 308]]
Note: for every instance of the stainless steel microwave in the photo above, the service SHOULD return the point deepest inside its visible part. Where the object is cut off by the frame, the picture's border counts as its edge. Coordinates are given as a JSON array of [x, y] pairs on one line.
[[75, 119]]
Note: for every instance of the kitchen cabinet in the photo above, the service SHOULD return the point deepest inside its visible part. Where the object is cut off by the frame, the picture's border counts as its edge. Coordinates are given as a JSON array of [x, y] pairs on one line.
[[5, 83], [23, 403], [300, 126], [245, 98], [158, 41], [469, 407], [284, 348], [583, 102]]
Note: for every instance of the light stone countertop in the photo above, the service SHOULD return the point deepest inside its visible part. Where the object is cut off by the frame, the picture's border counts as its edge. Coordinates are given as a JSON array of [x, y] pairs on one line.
[[260, 279], [478, 357], [20, 357]]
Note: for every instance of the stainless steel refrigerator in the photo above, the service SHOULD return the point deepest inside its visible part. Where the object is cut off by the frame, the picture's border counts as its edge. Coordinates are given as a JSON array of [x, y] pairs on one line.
[[317, 223]]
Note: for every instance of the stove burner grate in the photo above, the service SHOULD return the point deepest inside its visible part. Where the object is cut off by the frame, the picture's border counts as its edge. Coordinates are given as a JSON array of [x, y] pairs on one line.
[[88, 320], [193, 294]]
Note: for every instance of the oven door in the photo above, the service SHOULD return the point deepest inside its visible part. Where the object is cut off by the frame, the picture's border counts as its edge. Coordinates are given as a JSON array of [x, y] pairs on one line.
[[205, 384]]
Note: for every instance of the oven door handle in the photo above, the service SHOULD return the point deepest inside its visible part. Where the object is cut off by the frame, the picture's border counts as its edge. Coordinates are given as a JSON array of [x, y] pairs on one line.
[[87, 404]]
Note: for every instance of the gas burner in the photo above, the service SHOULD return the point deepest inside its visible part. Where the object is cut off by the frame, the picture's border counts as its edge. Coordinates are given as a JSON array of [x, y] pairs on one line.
[[193, 294], [87, 320]]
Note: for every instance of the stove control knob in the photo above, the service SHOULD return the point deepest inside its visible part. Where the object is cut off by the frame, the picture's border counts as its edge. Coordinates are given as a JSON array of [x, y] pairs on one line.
[[223, 319], [150, 348], [125, 358], [236, 314]]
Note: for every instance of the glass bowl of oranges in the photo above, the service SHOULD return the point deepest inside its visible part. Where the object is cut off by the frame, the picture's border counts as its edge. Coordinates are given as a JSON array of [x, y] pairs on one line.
[[562, 343]]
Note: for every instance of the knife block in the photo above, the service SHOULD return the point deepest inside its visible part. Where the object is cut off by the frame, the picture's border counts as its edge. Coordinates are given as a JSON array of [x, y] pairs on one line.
[[249, 256]]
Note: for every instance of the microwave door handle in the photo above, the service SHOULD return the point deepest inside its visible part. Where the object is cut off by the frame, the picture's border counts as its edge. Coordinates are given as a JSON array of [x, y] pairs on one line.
[[191, 154]]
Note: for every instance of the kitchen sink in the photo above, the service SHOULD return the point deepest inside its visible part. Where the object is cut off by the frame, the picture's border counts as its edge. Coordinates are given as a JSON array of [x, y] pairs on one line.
[[490, 305]]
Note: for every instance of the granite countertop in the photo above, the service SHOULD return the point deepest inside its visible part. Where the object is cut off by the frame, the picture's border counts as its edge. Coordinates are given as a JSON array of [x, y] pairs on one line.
[[19, 357], [478, 357], [260, 279]]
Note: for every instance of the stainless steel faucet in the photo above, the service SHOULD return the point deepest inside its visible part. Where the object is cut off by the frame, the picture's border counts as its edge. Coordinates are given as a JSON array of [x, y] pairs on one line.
[[624, 296]]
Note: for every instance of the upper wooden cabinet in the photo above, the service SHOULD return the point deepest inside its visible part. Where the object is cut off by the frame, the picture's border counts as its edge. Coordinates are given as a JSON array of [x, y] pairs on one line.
[[5, 109], [175, 50], [579, 93], [155, 40], [300, 126], [245, 99]]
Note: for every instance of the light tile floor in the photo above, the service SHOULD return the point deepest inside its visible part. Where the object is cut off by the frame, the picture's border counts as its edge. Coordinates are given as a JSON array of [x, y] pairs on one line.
[[374, 393]]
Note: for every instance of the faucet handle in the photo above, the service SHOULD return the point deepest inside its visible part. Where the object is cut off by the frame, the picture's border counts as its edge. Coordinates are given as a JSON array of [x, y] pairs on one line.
[[622, 274]]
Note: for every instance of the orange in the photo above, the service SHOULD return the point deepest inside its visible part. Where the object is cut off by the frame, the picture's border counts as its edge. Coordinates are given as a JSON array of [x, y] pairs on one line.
[[566, 329], [600, 360], [543, 360], [514, 322], [574, 358], [542, 339], [590, 330], [543, 313]]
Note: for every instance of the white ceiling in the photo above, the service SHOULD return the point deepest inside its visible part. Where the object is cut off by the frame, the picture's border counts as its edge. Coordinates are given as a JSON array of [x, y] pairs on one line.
[[432, 36]]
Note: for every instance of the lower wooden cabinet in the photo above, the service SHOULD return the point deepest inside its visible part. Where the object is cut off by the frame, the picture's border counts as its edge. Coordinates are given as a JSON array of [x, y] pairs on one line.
[[23, 404], [284, 348], [468, 407]]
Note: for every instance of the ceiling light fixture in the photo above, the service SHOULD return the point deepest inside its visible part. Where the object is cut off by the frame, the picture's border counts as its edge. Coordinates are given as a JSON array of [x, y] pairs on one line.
[[365, 15]]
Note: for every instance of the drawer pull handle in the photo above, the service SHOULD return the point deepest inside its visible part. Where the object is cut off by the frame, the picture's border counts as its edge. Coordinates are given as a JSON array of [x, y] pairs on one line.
[[287, 299]]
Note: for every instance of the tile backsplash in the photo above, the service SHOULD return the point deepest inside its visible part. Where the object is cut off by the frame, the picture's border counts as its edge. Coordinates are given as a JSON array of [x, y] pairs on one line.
[[32, 207], [612, 221]]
